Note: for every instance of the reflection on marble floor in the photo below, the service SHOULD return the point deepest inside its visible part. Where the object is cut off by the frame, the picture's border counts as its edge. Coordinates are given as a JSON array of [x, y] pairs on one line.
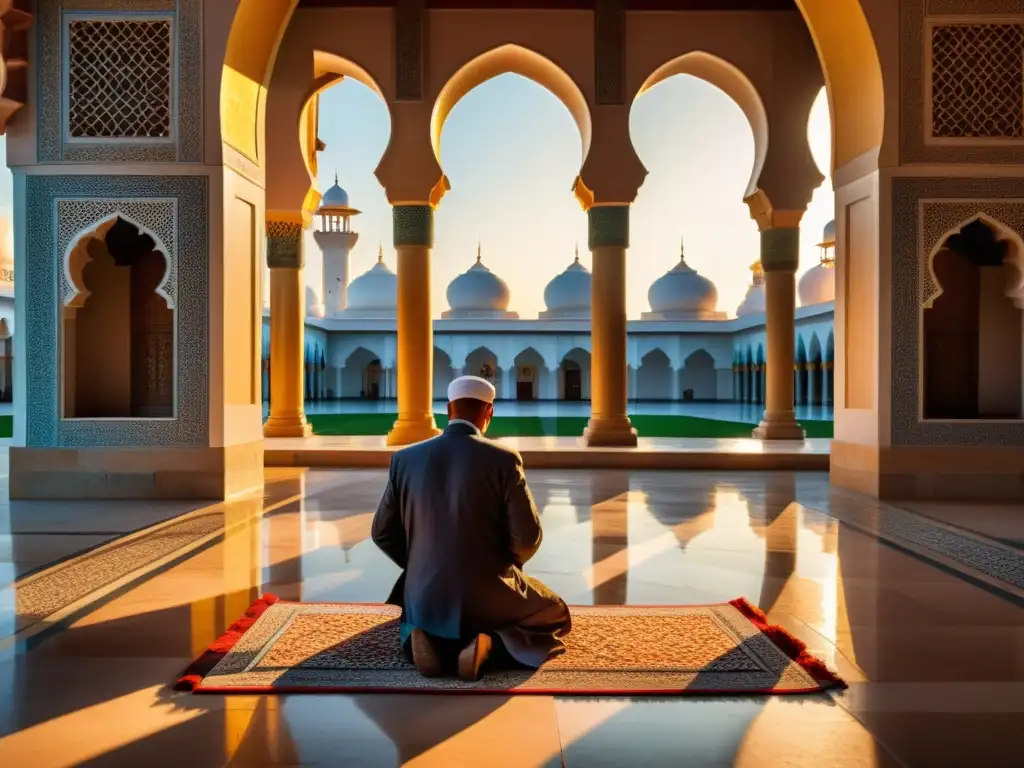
[[746, 413], [934, 661]]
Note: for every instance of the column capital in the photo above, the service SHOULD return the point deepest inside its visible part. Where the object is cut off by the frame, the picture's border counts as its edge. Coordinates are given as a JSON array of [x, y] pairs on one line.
[[608, 226], [284, 242], [413, 225], [780, 249], [764, 213]]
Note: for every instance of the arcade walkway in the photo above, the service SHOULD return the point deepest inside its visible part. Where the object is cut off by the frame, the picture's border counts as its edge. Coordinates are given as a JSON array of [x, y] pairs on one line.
[[929, 633]]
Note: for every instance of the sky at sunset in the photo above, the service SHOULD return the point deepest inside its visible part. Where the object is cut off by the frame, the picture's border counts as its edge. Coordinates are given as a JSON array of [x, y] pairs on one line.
[[511, 151]]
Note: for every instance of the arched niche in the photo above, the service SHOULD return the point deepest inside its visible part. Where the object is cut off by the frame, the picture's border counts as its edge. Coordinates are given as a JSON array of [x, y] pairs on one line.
[[531, 375], [574, 375], [443, 373], [816, 372], [362, 376], [654, 376], [484, 363], [973, 357], [698, 379], [735, 84], [118, 345]]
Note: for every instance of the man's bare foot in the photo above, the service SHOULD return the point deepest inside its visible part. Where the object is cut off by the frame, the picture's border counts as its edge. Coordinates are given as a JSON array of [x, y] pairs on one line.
[[424, 655], [472, 657]]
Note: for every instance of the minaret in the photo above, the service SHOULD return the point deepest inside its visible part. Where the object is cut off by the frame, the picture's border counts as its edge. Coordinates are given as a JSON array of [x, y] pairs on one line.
[[336, 240]]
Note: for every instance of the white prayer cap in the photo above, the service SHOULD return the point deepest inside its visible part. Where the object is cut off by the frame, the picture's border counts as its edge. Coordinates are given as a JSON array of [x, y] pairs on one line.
[[473, 387]]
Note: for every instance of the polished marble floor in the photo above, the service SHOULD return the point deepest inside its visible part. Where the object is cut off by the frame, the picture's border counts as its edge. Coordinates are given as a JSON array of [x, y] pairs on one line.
[[935, 659]]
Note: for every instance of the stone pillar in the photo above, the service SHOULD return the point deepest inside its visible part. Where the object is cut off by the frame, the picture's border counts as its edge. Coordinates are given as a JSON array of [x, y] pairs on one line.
[[827, 394], [609, 238], [780, 255], [508, 383], [287, 331], [414, 236]]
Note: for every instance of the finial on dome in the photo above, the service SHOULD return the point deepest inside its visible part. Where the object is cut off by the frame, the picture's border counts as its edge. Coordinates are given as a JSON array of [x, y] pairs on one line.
[[682, 249], [478, 251], [380, 253], [577, 259], [335, 177]]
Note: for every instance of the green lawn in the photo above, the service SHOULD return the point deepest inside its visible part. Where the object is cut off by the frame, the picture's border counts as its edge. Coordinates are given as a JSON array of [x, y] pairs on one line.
[[648, 425], [6, 426]]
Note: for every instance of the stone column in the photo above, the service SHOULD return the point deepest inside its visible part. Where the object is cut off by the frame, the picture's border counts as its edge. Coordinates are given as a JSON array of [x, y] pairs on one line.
[[609, 238], [287, 331], [827, 394], [414, 236], [780, 255]]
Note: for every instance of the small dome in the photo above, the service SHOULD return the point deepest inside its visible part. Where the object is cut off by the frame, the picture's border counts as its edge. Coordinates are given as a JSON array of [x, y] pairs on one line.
[[828, 235], [754, 302], [568, 294], [478, 292], [818, 285], [335, 197], [375, 290], [682, 294]]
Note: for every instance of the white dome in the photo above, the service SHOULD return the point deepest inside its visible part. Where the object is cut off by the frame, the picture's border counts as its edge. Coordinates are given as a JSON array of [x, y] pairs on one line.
[[828, 235], [818, 285], [754, 302], [478, 292], [374, 291], [682, 294], [335, 197], [568, 294]]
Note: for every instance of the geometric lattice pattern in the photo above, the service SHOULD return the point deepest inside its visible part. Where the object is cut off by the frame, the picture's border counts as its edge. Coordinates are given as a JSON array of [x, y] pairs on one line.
[[978, 81], [119, 79]]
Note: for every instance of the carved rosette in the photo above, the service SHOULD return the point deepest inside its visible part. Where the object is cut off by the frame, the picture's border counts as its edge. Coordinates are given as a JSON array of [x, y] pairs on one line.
[[284, 244], [14, 24]]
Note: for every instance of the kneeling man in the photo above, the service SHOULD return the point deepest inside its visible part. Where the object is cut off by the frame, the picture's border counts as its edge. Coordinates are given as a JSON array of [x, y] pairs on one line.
[[457, 516]]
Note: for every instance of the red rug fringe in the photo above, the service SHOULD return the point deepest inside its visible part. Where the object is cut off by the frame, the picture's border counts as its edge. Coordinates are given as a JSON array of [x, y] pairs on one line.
[[220, 648], [788, 644], [781, 638]]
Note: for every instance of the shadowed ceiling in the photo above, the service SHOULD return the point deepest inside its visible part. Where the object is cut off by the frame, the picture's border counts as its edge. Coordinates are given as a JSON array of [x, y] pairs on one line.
[[629, 5]]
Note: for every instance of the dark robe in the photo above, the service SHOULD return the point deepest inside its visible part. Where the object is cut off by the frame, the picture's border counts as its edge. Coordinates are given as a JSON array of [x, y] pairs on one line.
[[457, 516]]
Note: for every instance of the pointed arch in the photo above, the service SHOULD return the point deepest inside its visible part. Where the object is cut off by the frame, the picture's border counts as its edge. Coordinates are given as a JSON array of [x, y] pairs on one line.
[[516, 59], [729, 79], [698, 379], [443, 374], [654, 376], [1014, 258]]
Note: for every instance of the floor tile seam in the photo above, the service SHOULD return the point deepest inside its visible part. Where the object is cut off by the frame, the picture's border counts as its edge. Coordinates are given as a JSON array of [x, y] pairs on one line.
[[837, 698], [831, 644], [1012, 544]]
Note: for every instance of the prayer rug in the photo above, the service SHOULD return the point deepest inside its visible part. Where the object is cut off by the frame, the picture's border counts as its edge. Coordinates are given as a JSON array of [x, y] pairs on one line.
[[729, 648]]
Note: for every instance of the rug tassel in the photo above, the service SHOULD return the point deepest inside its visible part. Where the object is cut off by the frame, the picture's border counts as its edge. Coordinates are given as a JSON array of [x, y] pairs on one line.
[[792, 646], [220, 647]]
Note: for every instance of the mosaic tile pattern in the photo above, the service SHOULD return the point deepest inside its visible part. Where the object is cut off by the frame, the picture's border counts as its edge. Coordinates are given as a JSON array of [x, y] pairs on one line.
[[105, 196], [284, 244], [927, 208], [612, 648], [52, 145], [608, 225], [43, 594], [999, 562], [413, 225]]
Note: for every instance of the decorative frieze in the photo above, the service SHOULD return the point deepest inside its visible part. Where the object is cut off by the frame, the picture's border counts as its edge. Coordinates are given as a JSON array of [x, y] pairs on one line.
[[780, 249], [608, 226], [284, 244], [413, 225]]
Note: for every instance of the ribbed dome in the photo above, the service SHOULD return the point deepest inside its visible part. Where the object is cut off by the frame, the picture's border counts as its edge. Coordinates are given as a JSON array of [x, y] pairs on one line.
[[682, 294], [754, 302], [478, 292], [374, 291], [568, 294]]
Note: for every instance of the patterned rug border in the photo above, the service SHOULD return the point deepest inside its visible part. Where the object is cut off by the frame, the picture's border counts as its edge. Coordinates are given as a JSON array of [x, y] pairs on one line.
[[794, 650]]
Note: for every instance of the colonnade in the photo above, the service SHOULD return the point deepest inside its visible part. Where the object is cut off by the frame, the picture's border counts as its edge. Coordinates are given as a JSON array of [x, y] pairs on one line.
[[609, 424]]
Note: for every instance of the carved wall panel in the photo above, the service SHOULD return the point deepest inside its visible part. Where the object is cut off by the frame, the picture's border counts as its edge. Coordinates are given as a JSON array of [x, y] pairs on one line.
[[924, 211], [119, 81], [186, 238]]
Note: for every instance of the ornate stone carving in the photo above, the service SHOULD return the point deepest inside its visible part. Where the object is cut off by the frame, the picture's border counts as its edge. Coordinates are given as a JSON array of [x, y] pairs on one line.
[[119, 78], [413, 225], [917, 144], [154, 117], [284, 244], [977, 81], [187, 238], [608, 226], [924, 210], [780, 249]]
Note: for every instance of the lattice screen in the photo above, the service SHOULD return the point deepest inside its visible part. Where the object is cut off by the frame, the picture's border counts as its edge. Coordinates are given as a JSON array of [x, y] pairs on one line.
[[119, 78], [978, 81]]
